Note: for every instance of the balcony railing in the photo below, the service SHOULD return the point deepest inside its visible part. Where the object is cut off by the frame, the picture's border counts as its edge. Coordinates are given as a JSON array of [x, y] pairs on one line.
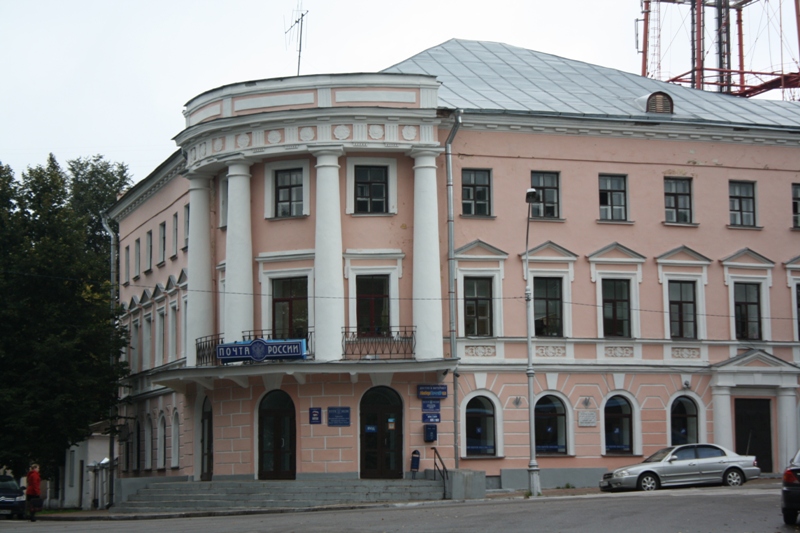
[[207, 350], [267, 334], [395, 343]]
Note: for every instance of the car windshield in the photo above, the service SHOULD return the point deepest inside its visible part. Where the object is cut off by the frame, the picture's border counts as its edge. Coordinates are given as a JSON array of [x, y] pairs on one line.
[[659, 456], [8, 483]]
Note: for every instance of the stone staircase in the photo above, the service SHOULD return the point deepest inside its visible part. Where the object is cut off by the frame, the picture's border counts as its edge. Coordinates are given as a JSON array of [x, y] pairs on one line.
[[260, 495]]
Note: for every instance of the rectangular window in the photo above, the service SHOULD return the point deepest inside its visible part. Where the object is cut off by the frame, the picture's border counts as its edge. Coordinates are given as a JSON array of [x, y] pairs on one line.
[[476, 188], [174, 234], [127, 264], [616, 308], [137, 258], [747, 309], [372, 305], [223, 203], [742, 199], [682, 310], [172, 342], [613, 198], [134, 358], [147, 341], [371, 189], [162, 242], [290, 308], [289, 193], [678, 200], [546, 185], [160, 329], [149, 251], [478, 307], [795, 205], [547, 307], [186, 226]]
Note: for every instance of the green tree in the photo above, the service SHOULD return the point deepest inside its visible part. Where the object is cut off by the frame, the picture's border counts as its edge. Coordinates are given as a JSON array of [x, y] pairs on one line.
[[59, 363]]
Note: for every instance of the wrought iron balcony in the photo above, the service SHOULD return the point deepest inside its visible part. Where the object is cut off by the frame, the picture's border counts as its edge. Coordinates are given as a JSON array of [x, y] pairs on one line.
[[392, 343], [207, 346], [207, 350], [307, 334]]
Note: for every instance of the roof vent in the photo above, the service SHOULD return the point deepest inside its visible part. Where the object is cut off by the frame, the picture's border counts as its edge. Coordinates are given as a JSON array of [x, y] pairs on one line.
[[659, 102]]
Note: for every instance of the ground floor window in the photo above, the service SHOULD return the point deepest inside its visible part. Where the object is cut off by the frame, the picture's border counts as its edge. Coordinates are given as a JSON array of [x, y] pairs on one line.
[[551, 426], [480, 427], [618, 426], [684, 421]]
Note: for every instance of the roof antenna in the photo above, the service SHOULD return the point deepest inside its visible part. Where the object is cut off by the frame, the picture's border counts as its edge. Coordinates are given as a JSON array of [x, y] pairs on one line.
[[298, 23]]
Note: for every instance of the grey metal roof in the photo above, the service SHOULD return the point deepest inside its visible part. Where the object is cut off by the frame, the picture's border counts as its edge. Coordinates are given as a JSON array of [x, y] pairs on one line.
[[495, 77]]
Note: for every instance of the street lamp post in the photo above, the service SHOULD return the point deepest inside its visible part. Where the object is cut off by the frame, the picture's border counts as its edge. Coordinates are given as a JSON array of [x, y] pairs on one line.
[[533, 467]]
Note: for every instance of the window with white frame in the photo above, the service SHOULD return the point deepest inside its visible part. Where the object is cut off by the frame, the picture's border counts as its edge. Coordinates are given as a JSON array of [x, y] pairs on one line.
[[374, 294], [683, 421], [548, 197], [148, 250], [160, 329], [618, 307], [127, 264], [148, 443], [287, 189], [551, 426], [684, 305], [618, 422], [184, 323], [172, 343], [186, 226], [175, 440], [134, 358], [137, 258], [476, 192], [162, 242], [481, 427], [147, 341], [548, 306], [749, 303], [371, 185], [742, 200], [795, 205], [613, 197], [678, 200], [480, 302], [162, 442], [174, 234]]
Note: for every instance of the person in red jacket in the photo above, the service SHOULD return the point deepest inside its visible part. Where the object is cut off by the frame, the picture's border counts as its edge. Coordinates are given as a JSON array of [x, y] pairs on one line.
[[33, 491]]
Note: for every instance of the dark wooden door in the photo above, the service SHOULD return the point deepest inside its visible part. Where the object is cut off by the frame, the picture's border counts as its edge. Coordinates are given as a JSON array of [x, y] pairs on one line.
[[276, 437], [381, 427], [754, 430], [207, 442]]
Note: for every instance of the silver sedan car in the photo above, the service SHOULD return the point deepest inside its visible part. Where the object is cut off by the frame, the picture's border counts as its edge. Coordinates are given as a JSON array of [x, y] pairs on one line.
[[690, 464]]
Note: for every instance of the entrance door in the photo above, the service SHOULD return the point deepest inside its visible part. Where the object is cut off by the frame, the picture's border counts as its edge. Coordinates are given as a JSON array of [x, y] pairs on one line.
[[276, 437], [381, 434], [754, 430], [206, 442]]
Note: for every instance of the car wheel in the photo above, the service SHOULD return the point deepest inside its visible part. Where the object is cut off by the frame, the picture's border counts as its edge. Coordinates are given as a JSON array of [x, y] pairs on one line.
[[648, 482], [789, 517], [733, 477]]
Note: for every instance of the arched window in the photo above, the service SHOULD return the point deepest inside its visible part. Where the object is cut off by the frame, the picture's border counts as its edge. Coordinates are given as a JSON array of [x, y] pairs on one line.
[[551, 426], [659, 102], [480, 427], [148, 443], [175, 440], [137, 447], [161, 443], [619, 426], [684, 421]]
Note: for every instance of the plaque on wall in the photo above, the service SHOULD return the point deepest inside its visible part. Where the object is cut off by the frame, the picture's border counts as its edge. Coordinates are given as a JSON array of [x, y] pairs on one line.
[[587, 418]]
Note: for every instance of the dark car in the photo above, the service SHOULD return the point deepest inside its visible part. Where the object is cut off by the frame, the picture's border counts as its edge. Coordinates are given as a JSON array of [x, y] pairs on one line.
[[12, 498], [790, 493]]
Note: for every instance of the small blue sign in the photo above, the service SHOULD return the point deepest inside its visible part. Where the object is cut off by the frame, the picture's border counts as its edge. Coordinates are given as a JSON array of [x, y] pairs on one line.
[[426, 392], [315, 415], [261, 349], [338, 416], [431, 406], [370, 428], [431, 418]]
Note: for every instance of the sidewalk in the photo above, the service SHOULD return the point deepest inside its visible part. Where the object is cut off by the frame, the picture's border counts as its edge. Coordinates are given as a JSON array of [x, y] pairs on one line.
[[75, 515]]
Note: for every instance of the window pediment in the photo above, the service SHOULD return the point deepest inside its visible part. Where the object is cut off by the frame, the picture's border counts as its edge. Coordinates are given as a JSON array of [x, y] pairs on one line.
[[479, 250], [616, 254]]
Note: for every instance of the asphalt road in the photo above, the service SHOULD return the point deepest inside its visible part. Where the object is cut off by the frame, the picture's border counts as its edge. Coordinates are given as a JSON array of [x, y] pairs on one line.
[[753, 509]]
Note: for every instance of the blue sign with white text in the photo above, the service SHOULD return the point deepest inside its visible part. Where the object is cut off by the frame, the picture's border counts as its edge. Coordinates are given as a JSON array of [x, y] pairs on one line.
[[431, 406], [426, 392], [338, 416], [261, 349], [315, 415], [431, 418]]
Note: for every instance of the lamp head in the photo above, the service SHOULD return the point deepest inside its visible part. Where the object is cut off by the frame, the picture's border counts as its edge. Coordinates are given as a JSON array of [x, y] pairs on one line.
[[531, 196]]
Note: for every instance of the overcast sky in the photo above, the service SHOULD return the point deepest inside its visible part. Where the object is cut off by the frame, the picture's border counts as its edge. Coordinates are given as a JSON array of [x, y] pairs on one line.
[[110, 77]]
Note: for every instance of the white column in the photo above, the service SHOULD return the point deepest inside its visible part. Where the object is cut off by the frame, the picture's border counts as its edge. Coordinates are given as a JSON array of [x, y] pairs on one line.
[[723, 423], [328, 274], [238, 254], [200, 303], [787, 426], [427, 282]]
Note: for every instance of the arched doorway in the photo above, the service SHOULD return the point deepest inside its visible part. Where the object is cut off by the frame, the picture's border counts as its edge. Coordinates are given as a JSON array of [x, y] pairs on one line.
[[206, 442], [276, 437], [381, 434]]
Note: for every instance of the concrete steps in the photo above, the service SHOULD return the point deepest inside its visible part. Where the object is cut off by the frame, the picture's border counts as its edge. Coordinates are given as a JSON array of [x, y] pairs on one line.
[[223, 495]]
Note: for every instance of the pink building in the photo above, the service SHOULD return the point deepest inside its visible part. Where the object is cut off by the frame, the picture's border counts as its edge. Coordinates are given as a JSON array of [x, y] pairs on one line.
[[372, 228]]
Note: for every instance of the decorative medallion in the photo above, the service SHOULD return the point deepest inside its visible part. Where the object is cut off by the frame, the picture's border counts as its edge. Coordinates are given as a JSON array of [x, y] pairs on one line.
[[480, 351], [274, 136], [219, 144], [192, 154], [376, 132], [203, 150], [307, 134], [409, 133], [685, 353], [341, 132], [242, 140], [550, 351], [619, 351]]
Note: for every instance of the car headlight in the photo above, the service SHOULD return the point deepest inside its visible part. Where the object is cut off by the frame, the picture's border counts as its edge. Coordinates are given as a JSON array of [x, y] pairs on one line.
[[620, 473], [21, 498]]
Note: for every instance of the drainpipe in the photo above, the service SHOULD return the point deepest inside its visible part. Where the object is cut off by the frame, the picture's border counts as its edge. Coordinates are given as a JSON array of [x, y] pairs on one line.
[[112, 305], [451, 272]]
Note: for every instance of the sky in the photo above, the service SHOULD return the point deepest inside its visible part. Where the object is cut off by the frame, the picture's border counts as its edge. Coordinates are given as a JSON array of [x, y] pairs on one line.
[[111, 77]]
